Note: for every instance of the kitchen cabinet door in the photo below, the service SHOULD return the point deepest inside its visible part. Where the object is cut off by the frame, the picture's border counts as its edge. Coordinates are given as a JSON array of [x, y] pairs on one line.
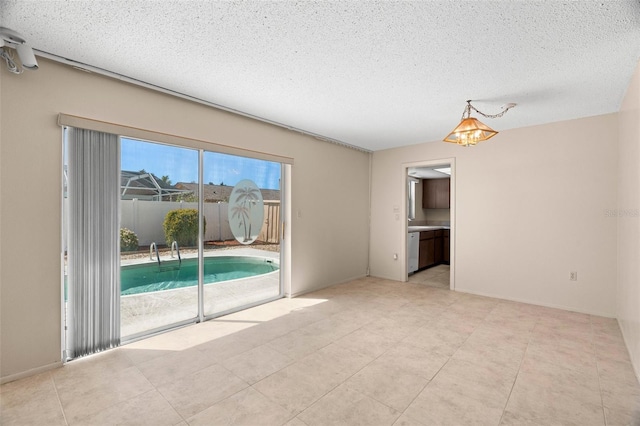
[[438, 252], [429, 188], [436, 193], [446, 248], [427, 253], [443, 193], [427, 249]]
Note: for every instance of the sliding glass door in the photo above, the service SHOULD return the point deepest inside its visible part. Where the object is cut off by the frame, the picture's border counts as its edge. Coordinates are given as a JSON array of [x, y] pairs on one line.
[[158, 237], [199, 236], [241, 202]]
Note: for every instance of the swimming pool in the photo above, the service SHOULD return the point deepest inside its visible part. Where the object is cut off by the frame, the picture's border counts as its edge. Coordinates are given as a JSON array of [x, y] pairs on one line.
[[148, 277]]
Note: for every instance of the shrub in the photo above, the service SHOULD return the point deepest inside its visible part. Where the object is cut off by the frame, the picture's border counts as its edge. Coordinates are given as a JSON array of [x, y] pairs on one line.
[[128, 240], [182, 226]]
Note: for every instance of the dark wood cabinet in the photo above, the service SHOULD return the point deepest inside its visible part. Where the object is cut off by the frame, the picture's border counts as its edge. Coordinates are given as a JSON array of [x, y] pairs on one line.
[[426, 254], [446, 248], [436, 193], [439, 248], [434, 248]]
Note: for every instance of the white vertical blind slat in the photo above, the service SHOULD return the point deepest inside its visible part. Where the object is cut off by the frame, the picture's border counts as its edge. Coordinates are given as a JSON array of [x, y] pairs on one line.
[[94, 239]]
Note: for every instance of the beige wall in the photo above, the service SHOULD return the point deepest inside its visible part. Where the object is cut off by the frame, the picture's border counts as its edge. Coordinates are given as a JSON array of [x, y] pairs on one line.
[[628, 294], [329, 186], [530, 208]]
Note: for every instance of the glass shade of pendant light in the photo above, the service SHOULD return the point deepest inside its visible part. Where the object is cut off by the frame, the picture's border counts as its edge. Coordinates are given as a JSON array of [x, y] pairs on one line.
[[470, 131]]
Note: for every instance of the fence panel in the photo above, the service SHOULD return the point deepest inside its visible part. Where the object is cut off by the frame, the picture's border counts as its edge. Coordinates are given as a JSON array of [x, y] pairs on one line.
[[145, 218], [270, 231]]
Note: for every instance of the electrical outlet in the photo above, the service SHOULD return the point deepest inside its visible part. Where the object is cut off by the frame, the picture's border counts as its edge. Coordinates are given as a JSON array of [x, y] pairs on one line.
[[573, 276]]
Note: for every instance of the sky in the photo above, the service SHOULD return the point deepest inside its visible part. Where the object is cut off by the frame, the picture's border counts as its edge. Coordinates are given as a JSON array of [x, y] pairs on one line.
[[181, 165]]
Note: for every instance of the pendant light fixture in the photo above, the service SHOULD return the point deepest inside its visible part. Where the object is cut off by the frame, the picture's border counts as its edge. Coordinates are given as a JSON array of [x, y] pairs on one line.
[[470, 131]]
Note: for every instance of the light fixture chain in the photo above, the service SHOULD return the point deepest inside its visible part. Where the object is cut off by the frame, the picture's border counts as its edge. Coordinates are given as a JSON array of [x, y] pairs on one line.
[[471, 107]]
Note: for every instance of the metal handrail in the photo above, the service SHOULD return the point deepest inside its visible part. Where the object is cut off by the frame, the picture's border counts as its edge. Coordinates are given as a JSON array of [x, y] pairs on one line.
[[175, 243], [151, 248]]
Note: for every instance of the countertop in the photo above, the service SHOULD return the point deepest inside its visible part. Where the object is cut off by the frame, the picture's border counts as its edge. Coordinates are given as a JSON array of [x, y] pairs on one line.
[[426, 228]]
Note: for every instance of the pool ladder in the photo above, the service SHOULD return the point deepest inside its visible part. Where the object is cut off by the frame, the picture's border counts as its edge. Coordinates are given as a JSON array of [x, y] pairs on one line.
[[175, 244], [154, 248]]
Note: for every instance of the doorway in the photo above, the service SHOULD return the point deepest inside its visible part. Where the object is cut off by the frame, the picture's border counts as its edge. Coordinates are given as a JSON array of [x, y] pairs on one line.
[[429, 233]]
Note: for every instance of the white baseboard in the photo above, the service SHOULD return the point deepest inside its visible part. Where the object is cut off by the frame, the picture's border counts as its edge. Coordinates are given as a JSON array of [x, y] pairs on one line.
[[530, 302], [634, 362], [325, 286], [28, 373]]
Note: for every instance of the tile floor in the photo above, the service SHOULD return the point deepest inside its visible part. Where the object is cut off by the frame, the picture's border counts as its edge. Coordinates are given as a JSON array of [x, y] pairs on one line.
[[369, 352]]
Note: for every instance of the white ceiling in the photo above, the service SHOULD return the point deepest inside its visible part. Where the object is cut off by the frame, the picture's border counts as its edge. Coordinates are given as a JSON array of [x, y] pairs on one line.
[[374, 74], [428, 172]]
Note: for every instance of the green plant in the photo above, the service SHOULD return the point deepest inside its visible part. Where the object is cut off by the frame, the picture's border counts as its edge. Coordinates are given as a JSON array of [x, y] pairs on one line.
[[181, 225], [128, 240]]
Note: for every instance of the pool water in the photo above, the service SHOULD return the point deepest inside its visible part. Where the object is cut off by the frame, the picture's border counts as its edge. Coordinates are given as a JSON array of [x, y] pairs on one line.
[[144, 278]]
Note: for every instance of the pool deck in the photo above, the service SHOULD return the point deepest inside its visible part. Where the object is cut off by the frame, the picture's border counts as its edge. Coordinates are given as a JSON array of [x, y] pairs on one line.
[[149, 311]]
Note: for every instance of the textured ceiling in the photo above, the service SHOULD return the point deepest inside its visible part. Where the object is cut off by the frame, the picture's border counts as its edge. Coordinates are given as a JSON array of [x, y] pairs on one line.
[[374, 74]]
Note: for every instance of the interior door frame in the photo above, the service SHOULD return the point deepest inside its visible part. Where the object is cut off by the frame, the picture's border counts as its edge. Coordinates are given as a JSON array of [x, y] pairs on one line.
[[404, 214]]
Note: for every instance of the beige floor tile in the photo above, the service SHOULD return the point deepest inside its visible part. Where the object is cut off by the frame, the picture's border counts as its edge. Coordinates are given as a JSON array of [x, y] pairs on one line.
[[620, 396], [296, 387], [141, 355], [488, 347], [331, 329], [611, 351], [422, 310], [439, 338], [299, 343], [223, 348], [366, 343], [147, 409], [415, 360], [29, 384], [540, 399], [444, 406], [622, 417], [390, 302], [405, 420], [173, 366], [619, 371], [345, 406], [354, 353], [336, 358], [93, 366], [258, 363], [512, 419], [295, 422], [561, 356], [387, 382], [357, 316], [31, 401], [196, 392], [516, 322], [262, 333], [395, 328], [584, 381], [170, 342], [577, 340], [82, 396], [438, 281], [247, 407], [489, 384]]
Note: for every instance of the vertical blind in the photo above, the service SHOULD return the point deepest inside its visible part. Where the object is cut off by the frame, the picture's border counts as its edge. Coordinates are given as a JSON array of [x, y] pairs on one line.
[[93, 309]]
